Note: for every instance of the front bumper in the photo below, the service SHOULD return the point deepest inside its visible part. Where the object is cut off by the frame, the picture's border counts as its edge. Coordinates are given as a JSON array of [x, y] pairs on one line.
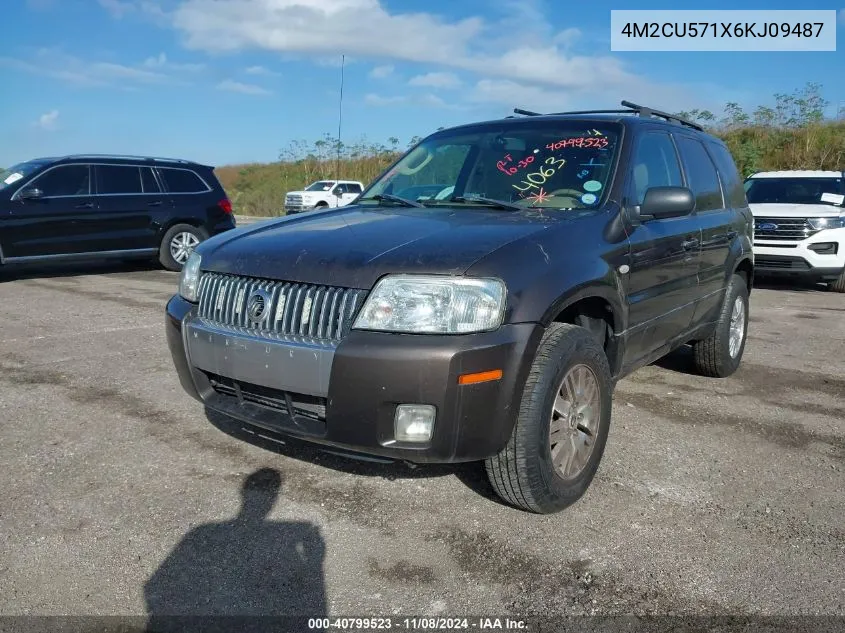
[[344, 396], [799, 259]]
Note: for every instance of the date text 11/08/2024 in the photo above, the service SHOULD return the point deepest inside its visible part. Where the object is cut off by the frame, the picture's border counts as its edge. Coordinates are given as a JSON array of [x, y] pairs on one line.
[[416, 624]]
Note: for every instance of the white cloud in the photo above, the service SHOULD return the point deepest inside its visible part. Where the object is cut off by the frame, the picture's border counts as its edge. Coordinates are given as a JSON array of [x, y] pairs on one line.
[[230, 85], [260, 70], [378, 100], [353, 27], [516, 44], [382, 72], [120, 9], [55, 63], [117, 8], [567, 37], [48, 121], [160, 61], [436, 80], [539, 98], [365, 28], [427, 100]]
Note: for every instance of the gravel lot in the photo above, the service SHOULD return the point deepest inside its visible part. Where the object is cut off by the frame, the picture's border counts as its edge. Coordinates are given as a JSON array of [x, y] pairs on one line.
[[121, 497]]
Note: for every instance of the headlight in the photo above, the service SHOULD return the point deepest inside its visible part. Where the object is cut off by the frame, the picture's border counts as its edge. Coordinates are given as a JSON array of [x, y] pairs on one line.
[[433, 304], [189, 280], [827, 223]]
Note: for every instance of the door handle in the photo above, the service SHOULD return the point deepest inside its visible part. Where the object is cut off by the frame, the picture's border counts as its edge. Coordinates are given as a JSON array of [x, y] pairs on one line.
[[85, 205], [689, 244], [157, 203]]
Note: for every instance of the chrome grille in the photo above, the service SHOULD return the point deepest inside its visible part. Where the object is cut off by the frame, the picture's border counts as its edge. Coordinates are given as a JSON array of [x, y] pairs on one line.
[[308, 311], [787, 229]]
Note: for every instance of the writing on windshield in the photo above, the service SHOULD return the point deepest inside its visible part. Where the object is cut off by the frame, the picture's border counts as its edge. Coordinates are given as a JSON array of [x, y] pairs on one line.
[[534, 164]]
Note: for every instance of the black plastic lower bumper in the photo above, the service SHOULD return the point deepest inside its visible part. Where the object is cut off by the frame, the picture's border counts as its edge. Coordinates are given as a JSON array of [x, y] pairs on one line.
[[793, 266], [371, 373]]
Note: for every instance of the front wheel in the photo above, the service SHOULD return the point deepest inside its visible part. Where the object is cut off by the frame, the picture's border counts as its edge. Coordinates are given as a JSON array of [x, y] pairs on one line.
[[562, 425], [178, 243], [839, 284], [719, 355]]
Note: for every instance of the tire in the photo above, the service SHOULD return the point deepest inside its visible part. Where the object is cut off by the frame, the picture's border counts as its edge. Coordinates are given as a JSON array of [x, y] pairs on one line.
[[166, 255], [524, 474], [712, 356], [839, 284]]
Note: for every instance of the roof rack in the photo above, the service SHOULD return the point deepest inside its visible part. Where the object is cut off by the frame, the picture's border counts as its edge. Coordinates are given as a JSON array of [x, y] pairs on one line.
[[632, 108], [131, 157]]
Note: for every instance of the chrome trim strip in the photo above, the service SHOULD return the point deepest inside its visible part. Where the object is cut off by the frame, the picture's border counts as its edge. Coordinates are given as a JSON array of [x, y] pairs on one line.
[[129, 252]]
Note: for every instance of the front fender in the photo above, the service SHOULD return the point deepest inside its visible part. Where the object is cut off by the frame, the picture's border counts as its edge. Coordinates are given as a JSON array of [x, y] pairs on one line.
[[741, 251]]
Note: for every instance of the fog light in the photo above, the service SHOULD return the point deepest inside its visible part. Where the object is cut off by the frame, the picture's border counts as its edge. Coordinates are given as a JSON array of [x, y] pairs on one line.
[[824, 248], [413, 422]]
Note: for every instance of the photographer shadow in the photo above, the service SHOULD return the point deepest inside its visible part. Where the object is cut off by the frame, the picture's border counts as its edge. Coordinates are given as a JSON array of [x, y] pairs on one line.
[[222, 575]]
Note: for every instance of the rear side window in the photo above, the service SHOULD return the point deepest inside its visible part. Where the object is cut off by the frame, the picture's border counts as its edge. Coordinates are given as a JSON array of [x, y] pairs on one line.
[[701, 174], [182, 180], [148, 180], [67, 180], [118, 179], [731, 183], [655, 164]]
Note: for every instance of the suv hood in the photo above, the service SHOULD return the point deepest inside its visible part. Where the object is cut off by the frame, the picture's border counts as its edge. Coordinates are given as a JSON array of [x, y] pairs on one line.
[[770, 210], [354, 246]]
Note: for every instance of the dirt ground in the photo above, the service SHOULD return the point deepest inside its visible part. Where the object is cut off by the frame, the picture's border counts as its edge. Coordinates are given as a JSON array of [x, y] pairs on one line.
[[121, 497]]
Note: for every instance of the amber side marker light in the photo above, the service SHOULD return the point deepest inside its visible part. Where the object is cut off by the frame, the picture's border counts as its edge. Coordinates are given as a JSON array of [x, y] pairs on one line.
[[482, 376]]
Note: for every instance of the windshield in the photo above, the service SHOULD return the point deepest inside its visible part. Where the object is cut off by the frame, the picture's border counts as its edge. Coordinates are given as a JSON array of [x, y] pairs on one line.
[[322, 185], [17, 172], [532, 164], [794, 190]]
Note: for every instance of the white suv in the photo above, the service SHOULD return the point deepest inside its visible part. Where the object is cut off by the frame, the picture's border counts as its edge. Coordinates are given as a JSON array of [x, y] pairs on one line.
[[799, 224], [323, 194]]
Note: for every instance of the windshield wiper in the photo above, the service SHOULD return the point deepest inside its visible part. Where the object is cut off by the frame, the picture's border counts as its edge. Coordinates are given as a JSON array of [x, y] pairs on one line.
[[491, 202], [389, 197]]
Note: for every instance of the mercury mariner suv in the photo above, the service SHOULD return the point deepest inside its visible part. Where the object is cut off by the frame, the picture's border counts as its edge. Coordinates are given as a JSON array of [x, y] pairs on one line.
[[487, 321], [799, 223]]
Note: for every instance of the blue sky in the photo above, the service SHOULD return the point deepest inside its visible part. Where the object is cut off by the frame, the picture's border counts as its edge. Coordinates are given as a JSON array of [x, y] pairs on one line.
[[229, 81]]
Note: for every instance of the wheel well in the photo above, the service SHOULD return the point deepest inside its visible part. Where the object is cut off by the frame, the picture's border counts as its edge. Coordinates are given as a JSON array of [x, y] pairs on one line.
[[746, 271], [596, 315], [194, 222]]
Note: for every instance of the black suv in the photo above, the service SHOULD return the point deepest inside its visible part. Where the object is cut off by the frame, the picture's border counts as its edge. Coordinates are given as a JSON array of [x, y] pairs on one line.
[[96, 206], [491, 320]]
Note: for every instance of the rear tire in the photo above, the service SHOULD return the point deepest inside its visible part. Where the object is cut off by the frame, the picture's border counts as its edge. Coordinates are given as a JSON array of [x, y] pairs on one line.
[[839, 284], [553, 453], [177, 243], [719, 355]]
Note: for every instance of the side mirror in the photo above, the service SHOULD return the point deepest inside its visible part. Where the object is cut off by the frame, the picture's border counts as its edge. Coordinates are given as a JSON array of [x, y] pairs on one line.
[[31, 194], [666, 202], [338, 193]]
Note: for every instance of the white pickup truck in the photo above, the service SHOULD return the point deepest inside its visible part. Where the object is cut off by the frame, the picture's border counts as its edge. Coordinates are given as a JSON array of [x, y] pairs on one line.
[[323, 194], [799, 225]]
